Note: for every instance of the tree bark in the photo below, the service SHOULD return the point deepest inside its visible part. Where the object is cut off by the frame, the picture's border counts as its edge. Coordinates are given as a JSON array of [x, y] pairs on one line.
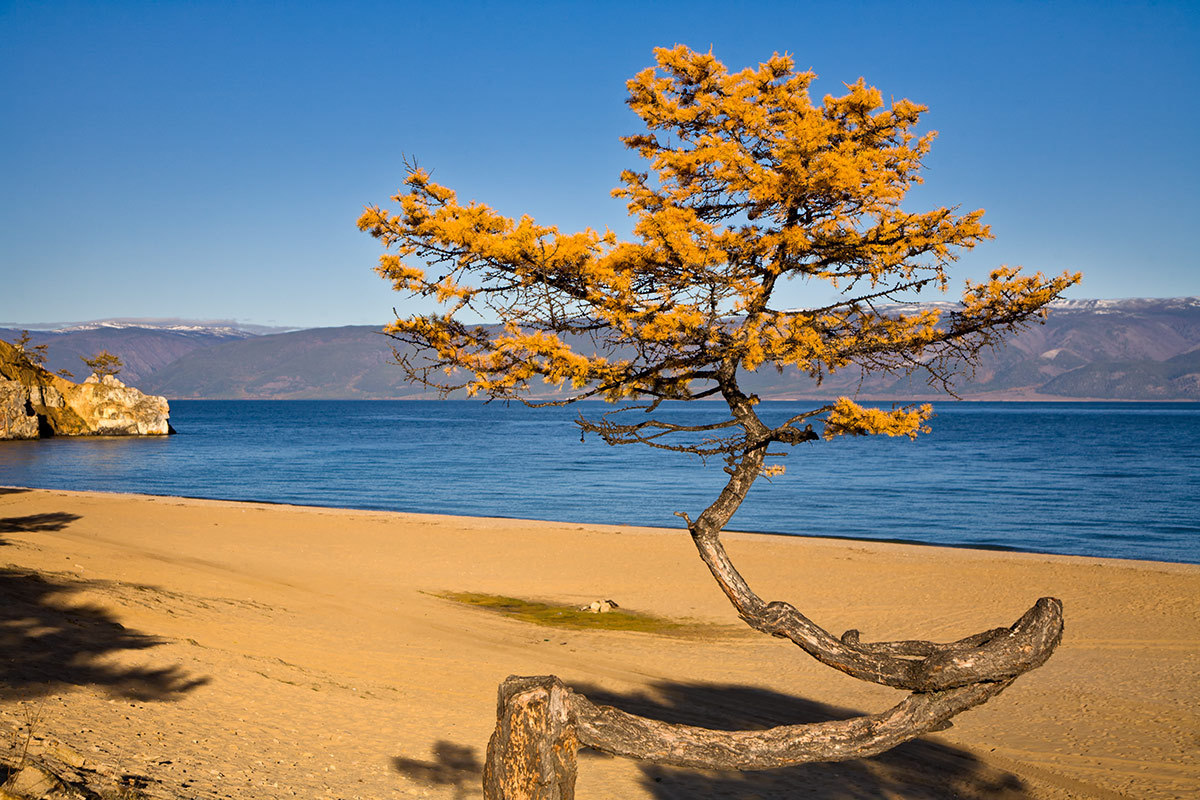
[[541, 723], [532, 753], [995, 655], [922, 666], [620, 733]]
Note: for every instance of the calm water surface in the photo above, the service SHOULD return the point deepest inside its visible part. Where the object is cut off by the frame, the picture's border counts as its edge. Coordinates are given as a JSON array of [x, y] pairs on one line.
[[1100, 479]]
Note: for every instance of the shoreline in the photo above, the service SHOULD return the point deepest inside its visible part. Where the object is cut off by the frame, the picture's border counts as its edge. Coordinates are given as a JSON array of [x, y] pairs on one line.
[[932, 398], [269, 651], [831, 537]]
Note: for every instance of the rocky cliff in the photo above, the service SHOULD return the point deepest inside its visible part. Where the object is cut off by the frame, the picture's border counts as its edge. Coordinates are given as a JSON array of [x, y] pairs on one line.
[[35, 403]]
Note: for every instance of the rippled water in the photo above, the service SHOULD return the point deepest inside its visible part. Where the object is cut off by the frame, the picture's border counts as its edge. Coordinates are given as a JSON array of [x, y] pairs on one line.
[[1101, 479]]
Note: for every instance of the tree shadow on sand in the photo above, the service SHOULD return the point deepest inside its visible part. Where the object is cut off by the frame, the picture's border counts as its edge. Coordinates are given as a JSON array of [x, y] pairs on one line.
[[52, 521], [453, 765], [48, 642], [918, 770]]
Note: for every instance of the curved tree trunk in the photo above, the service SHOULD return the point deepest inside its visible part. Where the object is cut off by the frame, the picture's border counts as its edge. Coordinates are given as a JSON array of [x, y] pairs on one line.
[[614, 731], [993, 655], [541, 722]]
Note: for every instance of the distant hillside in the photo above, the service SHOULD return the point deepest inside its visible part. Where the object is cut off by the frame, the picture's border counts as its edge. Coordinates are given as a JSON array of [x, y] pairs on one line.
[[143, 349], [1141, 349], [1146, 349], [319, 363], [1176, 377]]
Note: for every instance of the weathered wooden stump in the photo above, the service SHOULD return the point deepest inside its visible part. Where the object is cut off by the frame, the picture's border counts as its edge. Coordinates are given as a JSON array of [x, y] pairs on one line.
[[532, 753]]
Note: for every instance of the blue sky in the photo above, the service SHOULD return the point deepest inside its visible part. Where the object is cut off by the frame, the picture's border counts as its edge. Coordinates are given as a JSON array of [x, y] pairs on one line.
[[208, 160]]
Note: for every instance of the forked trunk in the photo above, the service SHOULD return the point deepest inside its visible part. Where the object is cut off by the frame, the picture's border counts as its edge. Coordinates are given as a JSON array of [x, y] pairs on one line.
[[541, 722]]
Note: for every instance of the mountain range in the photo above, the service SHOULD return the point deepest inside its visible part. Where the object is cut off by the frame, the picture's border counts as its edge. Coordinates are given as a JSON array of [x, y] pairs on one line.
[[1136, 349]]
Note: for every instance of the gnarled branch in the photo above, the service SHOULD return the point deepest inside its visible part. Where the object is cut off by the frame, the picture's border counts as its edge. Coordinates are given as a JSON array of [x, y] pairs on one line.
[[621, 733], [541, 723], [993, 655]]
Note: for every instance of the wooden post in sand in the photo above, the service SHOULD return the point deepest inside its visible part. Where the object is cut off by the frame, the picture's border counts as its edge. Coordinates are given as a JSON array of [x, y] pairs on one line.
[[531, 755]]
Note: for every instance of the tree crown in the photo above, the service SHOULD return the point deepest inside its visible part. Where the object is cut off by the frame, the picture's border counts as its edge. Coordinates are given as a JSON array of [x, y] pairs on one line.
[[103, 363], [749, 182], [34, 355]]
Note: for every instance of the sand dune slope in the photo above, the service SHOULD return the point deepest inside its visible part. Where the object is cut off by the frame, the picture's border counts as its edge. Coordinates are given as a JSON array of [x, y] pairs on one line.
[[238, 650]]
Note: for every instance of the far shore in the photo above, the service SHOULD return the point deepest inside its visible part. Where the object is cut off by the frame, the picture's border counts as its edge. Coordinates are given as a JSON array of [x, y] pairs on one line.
[[987, 397], [262, 650]]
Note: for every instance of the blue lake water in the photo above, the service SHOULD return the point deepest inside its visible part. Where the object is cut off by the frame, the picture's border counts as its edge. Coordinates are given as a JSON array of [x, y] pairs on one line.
[[1097, 479]]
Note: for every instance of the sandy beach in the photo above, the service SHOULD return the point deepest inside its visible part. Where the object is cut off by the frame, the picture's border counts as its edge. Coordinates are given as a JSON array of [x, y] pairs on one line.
[[215, 649]]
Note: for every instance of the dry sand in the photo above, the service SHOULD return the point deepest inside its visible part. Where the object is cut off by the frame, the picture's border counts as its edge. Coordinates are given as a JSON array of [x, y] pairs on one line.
[[252, 651]]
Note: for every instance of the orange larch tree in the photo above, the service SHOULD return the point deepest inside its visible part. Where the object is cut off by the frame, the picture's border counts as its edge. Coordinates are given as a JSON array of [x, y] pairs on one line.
[[749, 183], [103, 363]]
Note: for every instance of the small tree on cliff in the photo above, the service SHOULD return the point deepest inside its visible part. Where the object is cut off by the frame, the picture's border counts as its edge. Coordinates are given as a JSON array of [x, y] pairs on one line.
[[35, 355], [750, 183], [103, 363]]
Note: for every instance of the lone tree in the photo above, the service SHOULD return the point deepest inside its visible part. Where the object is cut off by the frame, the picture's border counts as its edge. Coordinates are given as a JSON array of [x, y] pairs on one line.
[[749, 183], [103, 363], [34, 355]]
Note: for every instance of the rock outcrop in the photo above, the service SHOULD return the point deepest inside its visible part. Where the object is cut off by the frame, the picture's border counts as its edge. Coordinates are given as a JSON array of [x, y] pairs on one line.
[[17, 420], [36, 403]]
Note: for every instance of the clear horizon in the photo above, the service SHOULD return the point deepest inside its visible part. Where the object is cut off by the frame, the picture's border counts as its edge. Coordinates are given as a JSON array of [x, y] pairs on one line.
[[208, 161]]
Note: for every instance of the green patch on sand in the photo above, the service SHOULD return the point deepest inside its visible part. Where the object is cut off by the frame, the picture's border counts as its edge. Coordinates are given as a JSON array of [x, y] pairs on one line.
[[559, 616]]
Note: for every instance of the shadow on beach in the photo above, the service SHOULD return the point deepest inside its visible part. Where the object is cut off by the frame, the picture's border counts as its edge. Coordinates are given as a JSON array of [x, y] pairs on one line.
[[48, 642], [31, 523], [454, 765], [918, 770]]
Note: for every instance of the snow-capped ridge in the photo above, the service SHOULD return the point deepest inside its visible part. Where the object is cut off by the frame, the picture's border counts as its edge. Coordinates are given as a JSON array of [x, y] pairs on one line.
[[226, 328], [1127, 304], [1094, 305]]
